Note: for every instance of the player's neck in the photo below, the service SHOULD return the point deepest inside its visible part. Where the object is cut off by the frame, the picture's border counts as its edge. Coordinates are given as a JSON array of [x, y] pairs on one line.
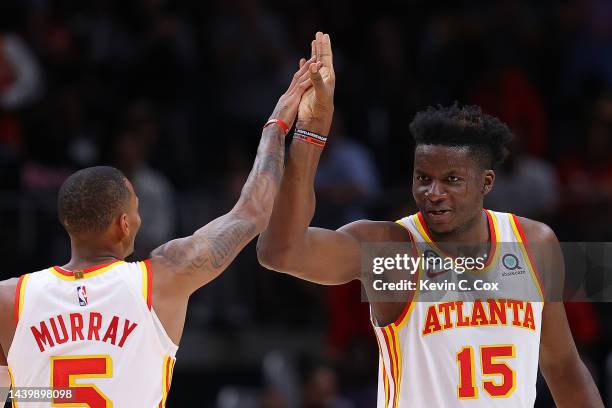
[[80, 262], [84, 255]]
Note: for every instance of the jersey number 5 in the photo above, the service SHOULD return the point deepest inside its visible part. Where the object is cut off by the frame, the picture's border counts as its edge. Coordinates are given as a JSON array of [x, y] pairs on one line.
[[64, 372], [490, 367]]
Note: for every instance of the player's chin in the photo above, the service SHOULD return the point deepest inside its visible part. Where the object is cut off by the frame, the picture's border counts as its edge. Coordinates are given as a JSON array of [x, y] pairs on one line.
[[440, 223], [443, 227]]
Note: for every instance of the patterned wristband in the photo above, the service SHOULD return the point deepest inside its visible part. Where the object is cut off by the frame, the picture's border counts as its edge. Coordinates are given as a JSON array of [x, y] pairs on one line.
[[310, 137]]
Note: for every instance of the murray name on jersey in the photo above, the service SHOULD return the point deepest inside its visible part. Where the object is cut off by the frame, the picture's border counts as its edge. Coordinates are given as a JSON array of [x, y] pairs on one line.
[[89, 326]]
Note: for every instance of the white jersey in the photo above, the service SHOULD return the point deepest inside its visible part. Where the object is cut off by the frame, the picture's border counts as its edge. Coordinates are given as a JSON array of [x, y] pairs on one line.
[[95, 332], [476, 353]]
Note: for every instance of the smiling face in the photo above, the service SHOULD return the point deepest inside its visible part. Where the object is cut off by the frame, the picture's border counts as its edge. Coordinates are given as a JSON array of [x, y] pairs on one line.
[[449, 184]]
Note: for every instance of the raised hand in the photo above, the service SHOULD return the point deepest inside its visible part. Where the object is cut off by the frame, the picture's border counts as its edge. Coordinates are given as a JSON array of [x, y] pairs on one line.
[[287, 106], [317, 105]]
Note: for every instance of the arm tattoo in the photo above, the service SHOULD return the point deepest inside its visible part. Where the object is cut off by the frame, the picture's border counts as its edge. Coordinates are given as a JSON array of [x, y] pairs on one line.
[[225, 243], [265, 178], [210, 249]]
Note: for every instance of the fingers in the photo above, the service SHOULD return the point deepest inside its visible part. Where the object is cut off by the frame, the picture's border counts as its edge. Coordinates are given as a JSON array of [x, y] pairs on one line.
[[303, 86], [314, 70], [321, 49], [313, 49], [326, 51], [303, 70]]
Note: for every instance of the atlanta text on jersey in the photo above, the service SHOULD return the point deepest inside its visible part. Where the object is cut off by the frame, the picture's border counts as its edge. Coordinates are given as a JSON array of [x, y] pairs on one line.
[[492, 312]]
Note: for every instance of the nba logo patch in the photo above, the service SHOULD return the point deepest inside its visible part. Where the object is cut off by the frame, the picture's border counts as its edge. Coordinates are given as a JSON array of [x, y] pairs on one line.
[[82, 294]]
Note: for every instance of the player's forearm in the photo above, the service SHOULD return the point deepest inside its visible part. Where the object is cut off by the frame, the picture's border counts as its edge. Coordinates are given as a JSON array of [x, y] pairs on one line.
[[572, 385], [257, 197], [286, 235]]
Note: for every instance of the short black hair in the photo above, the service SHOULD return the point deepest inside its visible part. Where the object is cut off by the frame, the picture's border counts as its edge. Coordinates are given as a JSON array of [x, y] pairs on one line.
[[486, 136], [90, 198]]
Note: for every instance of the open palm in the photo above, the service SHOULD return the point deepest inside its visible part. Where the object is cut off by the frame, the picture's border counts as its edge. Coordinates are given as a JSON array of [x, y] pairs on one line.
[[317, 105]]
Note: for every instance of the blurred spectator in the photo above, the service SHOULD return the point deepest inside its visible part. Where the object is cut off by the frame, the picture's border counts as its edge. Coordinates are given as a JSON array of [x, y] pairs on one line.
[[590, 57], [586, 173], [250, 42], [21, 80], [346, 179], [508, 94], [321, 389], [525, 185], [157, 208], [21, 84]]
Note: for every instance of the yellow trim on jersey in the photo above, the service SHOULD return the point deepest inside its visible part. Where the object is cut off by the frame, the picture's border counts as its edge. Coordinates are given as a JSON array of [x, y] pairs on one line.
[[167, 371], [399, 362], [494, 361], [24, 282], [108, 373], [401, 323], [406, 317], [495, 243], [10, 373], [145, 281], [419, 226], [86, 274], [384, 369], [526, 256], [392, 358], [472, 376]]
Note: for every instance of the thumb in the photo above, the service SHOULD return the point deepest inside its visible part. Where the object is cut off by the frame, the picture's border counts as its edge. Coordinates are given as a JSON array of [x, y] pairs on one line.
[[315, 75]]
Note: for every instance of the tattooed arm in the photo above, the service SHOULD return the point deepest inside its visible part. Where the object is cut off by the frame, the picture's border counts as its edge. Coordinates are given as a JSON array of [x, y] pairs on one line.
[[183, 265]]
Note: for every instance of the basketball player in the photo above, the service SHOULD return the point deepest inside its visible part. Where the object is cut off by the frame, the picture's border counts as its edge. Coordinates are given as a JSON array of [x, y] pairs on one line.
[[433, 354], [108, 328]]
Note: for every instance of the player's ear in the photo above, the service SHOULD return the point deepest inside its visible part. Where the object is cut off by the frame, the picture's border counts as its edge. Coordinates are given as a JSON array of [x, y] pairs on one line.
[[124, 224], [489, 180]]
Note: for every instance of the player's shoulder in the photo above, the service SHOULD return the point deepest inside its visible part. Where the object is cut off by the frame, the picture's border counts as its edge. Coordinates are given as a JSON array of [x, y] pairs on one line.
[[7, 296], [376, 231], [7, 288], [537, 231]]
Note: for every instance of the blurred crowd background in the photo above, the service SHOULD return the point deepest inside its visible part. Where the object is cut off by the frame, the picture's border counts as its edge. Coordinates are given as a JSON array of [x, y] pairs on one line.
[[174, 93]]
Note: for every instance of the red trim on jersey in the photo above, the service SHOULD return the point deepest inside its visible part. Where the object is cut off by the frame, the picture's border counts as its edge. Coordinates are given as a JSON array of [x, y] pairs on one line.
[[415, 277], [384, 368], [392, 368], [491, 232], [87, 270], [149, 283], [168, 374], [521, 232], [394, 345], [17, 299]]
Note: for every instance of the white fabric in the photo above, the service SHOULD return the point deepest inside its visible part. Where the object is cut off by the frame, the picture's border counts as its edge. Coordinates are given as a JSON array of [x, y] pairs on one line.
[[425, 365], [141, 366]]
